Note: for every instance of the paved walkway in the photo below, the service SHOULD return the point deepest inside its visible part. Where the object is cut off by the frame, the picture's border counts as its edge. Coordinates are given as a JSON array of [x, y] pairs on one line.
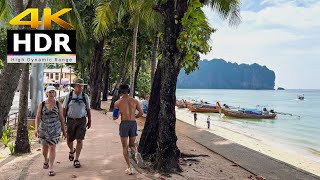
[[101, 156]]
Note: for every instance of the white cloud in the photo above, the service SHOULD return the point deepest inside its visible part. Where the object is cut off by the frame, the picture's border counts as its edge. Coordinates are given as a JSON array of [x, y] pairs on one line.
[[285, 37]]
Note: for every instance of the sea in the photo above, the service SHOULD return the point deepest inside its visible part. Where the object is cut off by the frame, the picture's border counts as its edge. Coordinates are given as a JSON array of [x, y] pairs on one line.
[[299, 132]]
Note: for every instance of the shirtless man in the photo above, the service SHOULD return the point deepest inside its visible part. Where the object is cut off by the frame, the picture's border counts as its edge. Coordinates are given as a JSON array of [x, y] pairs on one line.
[[128, 126]]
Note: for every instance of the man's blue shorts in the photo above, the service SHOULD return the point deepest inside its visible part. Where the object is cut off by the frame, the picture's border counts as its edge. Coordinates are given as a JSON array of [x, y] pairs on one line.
[[128, 128]]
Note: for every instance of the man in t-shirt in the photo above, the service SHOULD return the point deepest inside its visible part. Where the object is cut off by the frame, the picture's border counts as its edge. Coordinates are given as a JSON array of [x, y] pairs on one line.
[[76, 110]]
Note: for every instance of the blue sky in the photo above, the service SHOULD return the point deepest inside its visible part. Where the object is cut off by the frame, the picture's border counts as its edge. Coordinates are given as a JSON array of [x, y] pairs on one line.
[[284, 35]]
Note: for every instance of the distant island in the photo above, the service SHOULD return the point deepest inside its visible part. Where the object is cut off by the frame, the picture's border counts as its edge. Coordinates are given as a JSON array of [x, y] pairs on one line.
[[280, 88], [219, 74]]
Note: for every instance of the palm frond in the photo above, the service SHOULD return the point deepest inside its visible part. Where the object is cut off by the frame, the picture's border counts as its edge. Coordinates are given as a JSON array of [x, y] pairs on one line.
[[121, 13], [79, 22], [227, 9], [6, 10], [103, 20]]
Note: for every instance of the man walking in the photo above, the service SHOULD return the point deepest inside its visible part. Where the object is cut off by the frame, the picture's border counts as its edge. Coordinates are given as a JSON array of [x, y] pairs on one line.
[[76, 110], [128, 126], [195, 118], [208, 121]]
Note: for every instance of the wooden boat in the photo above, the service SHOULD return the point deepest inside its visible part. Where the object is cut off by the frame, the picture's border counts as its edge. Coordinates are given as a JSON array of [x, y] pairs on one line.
[[241, 114], [181, 104], [204, 108]]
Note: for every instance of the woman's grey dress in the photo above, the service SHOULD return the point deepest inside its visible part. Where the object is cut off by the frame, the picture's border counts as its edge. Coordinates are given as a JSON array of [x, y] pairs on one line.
[[50, 126]]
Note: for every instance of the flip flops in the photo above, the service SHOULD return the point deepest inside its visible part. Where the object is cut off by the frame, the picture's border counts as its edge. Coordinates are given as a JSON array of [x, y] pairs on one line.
[[52, 173], [45, 165], [76, 163], [129, 171], [71, 155]]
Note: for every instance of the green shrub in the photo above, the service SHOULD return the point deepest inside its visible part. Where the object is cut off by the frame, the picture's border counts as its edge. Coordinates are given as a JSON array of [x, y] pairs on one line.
[[5, 140], [11, 148], [6, 136]]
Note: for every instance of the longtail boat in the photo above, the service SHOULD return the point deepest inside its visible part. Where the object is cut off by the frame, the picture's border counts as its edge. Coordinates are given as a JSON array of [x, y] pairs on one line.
[[204, 108], [181, 103], [244, 113]]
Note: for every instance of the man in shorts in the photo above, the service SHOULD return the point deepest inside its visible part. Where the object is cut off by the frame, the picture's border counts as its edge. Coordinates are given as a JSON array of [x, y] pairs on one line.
[[128, 126], [76, 110]]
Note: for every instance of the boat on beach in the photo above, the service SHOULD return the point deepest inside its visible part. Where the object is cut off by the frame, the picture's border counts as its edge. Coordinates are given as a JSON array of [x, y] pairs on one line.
[[181, 103], [248, 113], [204, 108]]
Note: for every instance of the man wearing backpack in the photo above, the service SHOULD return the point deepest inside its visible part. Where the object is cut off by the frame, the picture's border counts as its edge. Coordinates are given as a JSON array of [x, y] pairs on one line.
[[76, 108]]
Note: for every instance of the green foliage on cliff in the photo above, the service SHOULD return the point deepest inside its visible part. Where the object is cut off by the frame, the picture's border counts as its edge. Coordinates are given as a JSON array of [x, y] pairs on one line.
[[219, 74]]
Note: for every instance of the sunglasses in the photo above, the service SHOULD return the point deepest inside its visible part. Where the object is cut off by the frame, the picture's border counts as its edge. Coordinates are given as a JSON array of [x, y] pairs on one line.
[[51, 91]]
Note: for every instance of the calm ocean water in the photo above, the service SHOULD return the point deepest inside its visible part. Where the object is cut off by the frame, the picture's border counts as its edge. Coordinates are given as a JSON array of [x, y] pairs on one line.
[[297, 134]]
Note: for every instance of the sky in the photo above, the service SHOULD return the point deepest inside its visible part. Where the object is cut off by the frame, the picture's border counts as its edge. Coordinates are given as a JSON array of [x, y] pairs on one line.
[[283, 35]]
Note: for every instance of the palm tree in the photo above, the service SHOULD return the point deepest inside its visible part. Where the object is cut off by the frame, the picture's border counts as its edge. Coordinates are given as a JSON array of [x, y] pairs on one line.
[[10, 75], [139, 11], [89, 43], [161, 113], [22, 144], [102, 22]]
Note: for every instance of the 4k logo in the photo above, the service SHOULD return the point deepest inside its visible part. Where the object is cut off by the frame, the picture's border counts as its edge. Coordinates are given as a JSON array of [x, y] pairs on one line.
[[47, 18]]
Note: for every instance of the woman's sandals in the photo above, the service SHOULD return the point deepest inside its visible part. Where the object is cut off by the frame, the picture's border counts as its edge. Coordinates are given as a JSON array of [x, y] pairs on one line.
[[76, 163], [45, 165], [71, 155], [52, 173]]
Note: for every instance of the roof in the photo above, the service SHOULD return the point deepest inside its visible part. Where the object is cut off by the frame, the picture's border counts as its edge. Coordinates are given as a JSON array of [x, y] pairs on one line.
[[64, 70]]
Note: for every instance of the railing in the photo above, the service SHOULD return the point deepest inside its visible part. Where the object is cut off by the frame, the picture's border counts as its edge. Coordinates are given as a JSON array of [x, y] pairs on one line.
[[12, 121]]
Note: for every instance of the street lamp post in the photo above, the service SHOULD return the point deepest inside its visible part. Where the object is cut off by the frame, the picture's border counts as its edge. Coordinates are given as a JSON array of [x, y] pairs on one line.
[[60, 79], [70, 77]]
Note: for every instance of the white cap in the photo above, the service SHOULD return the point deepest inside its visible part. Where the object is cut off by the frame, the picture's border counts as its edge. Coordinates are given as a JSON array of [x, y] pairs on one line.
[[50, 88]]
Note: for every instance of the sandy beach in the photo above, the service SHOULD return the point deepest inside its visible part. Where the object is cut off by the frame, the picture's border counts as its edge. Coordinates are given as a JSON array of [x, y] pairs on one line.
[[253, 142]]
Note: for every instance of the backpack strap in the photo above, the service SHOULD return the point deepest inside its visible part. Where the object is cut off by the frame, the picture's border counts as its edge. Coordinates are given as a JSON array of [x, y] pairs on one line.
[[69, 100], [84, 98], [57, 103], [43, 104]]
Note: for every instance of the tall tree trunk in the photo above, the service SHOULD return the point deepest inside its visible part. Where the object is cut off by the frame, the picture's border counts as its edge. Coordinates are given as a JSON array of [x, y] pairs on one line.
[[155, 46], [22, 144], [134, 56], [149, 137], [82, 68], [136, 76], [167, 152], [122, 70], [115, 97], [95, 76], [9, 79], [122, 78], [106, 81]]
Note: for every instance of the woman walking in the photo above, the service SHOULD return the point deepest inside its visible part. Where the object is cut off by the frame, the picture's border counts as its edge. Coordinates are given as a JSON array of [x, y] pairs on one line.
[[49, 124]]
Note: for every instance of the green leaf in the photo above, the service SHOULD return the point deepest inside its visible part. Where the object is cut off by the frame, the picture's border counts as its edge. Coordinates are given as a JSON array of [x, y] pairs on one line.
[[188, 57]]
